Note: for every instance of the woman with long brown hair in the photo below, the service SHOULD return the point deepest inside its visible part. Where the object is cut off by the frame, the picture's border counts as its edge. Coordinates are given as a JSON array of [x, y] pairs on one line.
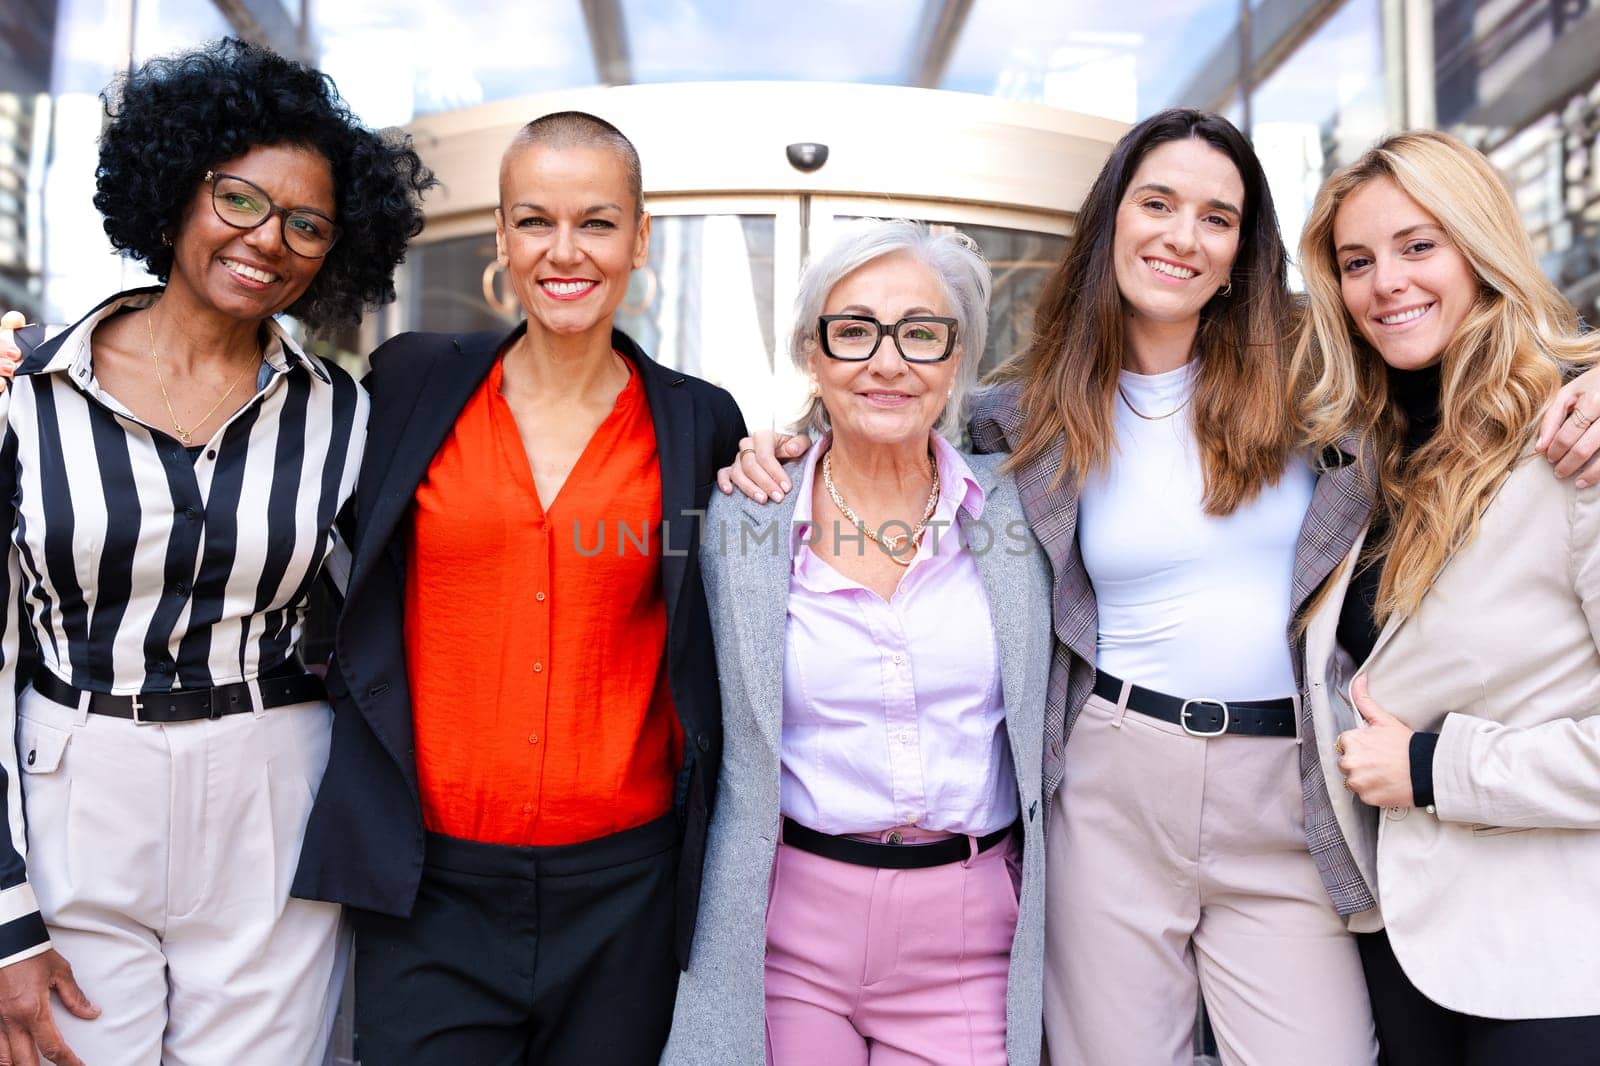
[[1467, 611]]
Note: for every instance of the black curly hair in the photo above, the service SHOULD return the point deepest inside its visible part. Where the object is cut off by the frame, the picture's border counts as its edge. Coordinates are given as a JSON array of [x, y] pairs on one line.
[[176, 117]]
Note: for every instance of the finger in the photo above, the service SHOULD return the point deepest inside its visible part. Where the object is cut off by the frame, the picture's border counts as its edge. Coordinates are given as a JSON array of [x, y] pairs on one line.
[[1589, 475], [741, 481], [725, 480], [72, 996], [759, 475], [1555, 414], [1578, 421], [51, 1045], [20, 1040], [793, 445], [13, 320], [1581, 448], [1365, 704]]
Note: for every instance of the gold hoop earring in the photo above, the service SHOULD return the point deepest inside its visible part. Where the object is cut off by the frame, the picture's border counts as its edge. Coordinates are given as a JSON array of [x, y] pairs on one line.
[[1226, 290], [505, 305]]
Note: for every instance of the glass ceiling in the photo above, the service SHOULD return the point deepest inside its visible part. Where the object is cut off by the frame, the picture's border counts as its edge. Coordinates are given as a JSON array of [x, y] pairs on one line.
[[397, 59]]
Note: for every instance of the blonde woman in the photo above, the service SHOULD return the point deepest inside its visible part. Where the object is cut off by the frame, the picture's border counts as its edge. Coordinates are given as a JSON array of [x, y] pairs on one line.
[[1468, 742]]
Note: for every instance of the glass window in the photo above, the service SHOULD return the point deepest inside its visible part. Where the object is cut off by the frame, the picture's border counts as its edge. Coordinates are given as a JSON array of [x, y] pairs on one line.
[[1122, 61], [1320, 109], [397, 59], [824, 40]]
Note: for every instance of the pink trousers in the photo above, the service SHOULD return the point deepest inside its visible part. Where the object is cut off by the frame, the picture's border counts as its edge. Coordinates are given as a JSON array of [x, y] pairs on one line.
[[869, 967]]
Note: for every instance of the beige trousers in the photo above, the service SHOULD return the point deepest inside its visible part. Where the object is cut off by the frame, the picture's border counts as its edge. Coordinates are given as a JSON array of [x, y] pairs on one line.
[[161, 856], [1177, 866]]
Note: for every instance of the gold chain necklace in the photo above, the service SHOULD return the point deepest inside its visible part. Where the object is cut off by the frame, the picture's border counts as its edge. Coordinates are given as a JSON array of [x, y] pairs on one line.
[[889, 542], [177, 427], [1153, 418]]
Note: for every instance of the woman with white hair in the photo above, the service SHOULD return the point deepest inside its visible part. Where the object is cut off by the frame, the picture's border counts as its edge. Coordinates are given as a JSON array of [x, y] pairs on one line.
[[874, 873]]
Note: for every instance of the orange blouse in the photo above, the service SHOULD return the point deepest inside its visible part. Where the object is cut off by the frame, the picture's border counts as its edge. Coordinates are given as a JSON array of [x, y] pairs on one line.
[[535, 638]]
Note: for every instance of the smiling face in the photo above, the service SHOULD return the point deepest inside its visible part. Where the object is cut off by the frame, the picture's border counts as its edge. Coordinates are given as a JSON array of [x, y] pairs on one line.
[[569, 234], [885, 400], [251, 273], [1406, 285], [1177, 230]]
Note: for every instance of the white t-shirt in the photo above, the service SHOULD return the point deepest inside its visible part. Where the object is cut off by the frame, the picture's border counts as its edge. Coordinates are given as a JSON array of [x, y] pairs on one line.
[[1189, 603]]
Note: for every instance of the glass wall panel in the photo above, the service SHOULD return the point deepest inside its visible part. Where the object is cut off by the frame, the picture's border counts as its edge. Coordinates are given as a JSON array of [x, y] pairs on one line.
[[824, 40], [1321, 108], [1122, 61], [397, 59]]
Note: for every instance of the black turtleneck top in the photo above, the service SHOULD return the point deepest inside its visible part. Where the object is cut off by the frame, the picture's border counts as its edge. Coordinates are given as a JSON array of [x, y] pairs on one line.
[[1416, 392]]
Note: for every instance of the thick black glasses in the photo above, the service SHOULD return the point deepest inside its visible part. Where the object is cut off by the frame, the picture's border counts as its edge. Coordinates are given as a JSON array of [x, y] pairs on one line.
[[918, 338], [245, 205]]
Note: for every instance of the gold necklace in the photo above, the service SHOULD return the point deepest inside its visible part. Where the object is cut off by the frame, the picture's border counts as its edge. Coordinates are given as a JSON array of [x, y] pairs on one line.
[[1152, 418], [177, 427], [889, 542]]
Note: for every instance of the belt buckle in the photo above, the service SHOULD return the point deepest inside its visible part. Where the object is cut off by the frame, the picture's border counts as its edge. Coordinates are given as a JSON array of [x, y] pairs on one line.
[[1183, 718], [138, 706]]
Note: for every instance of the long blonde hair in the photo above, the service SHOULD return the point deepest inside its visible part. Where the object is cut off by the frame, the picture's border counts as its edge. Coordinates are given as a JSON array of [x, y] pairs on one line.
[[1497, 372], [1069, 372]]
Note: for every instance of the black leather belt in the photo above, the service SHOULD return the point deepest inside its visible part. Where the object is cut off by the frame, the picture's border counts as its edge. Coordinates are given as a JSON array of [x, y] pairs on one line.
[[887, 856], [282, 686], [1203, 717]]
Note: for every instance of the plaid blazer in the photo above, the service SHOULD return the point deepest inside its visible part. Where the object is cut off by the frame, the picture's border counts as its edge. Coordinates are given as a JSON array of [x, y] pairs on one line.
[[1339, 508]]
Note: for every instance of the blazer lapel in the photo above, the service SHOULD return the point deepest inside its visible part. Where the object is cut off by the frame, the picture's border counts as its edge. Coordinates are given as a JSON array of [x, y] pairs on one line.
[[399, 450], [1052, 512], [673, 415], [1341, 504]]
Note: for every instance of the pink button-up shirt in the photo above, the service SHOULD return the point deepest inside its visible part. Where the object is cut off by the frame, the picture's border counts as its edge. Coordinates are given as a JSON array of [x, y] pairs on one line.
[[892, 711]]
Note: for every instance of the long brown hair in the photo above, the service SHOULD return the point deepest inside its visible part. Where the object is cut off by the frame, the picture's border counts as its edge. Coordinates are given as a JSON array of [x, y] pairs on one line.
[[1069, 372], [1496, 373]]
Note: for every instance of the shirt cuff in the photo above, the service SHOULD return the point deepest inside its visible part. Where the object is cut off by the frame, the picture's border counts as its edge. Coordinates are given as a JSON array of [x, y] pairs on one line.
[[1422, 745]]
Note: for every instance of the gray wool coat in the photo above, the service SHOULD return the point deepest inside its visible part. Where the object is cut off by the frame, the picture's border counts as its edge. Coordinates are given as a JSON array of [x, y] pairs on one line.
[[745, 562]]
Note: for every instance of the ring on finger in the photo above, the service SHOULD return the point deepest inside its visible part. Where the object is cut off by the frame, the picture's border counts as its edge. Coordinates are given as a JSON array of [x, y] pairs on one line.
[[1583, 420], [1338, 746], [744, 452]]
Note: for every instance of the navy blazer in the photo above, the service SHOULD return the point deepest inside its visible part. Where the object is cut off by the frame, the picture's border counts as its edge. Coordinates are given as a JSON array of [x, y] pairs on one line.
[[364, 841]]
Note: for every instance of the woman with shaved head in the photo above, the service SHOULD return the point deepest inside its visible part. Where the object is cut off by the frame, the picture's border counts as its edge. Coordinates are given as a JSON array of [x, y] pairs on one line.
[[529, 733]]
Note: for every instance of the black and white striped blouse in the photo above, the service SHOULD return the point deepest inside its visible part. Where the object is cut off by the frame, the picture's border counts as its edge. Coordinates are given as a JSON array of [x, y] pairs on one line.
[[137, 566]]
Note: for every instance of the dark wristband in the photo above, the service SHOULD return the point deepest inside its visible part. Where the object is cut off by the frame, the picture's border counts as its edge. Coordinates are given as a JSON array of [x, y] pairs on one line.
[[1422, 745]]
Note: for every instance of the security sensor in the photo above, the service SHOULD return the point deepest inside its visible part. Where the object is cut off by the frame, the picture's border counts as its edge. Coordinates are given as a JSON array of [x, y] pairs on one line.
[[807, 155]]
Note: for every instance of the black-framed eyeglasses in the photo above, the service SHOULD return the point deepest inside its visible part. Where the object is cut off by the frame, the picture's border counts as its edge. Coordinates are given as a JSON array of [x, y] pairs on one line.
[[245, 205], [918, 338]]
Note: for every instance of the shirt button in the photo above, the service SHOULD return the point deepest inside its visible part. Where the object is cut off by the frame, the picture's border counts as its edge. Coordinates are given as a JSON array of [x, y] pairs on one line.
[[539, 596], [190, 513], [180, 589], [538, 668], [533, 738], [527, 808], [898, 658], [905, 738], [212, 454]]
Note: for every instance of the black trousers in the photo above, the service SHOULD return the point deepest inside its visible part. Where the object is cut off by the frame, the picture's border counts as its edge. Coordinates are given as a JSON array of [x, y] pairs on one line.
[[1415, 1031], [519, 956]]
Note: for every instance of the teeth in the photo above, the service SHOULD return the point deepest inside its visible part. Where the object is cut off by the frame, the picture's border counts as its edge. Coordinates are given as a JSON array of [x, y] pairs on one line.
[[567, 288], [1403, 316], [1182, 273], [249, 272]]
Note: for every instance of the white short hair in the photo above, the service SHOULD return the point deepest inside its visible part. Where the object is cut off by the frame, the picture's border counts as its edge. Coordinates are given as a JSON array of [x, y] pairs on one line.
[[957, 265]]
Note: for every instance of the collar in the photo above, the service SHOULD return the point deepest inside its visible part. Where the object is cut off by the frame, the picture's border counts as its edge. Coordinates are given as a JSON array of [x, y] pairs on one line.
[[69, 352], [959, 493]]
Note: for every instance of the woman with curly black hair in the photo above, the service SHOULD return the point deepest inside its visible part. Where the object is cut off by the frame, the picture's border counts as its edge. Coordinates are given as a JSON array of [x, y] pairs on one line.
[[171, 468]]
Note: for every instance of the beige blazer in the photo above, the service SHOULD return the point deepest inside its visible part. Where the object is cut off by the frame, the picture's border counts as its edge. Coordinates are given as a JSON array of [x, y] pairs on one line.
[[1491, 896]]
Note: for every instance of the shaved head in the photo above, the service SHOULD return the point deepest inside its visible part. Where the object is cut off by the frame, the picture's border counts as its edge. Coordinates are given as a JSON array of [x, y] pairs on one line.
[[577, 129]]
